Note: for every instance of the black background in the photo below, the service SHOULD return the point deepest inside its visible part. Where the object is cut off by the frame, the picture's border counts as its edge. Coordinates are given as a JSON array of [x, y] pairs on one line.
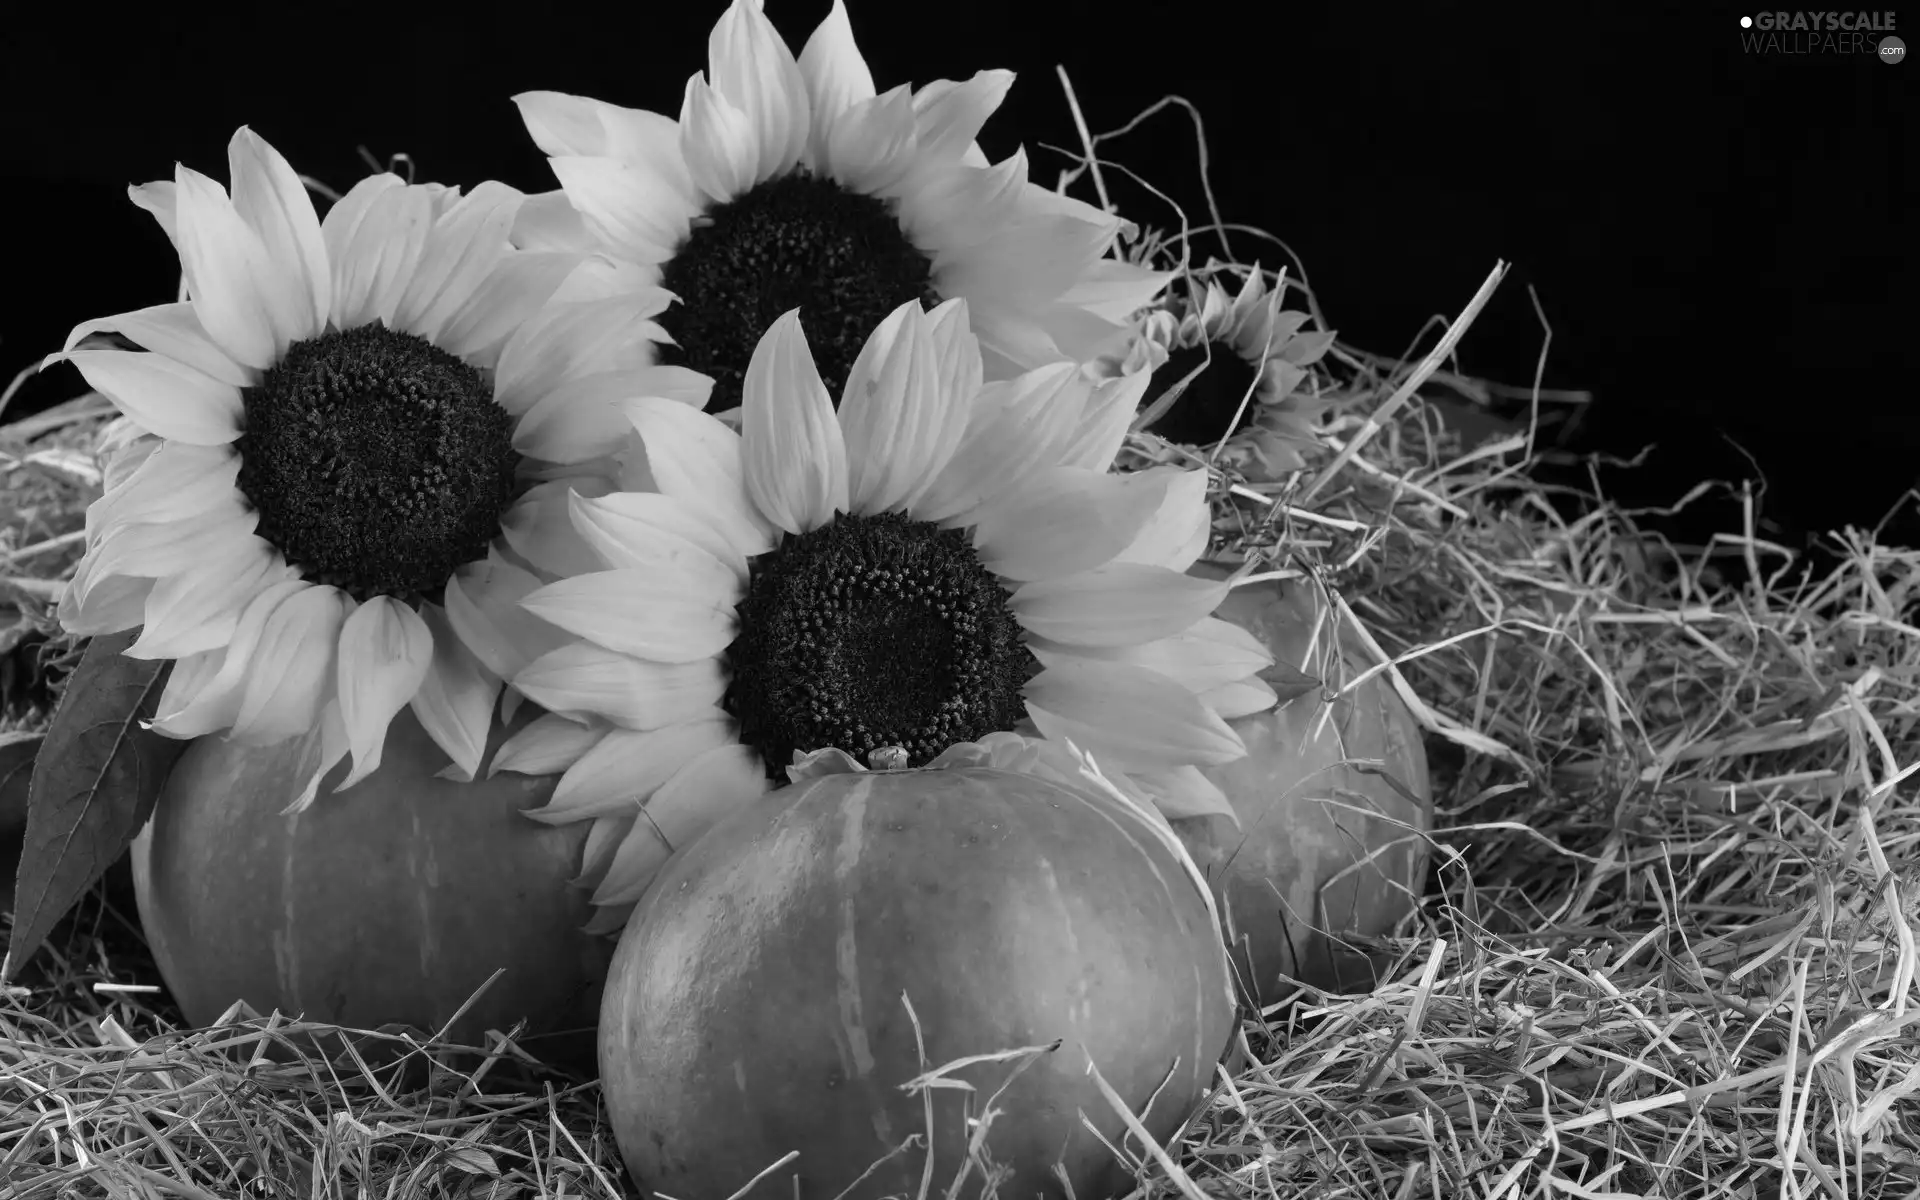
[[1717, 238]]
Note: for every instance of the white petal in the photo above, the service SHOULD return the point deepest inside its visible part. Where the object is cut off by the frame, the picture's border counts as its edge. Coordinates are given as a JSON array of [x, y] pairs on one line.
[[540, 529], [753, 69], [187, 678], [1116, 290], [483, 605], [160, 200], [1184, 792], [227, 272], [655, 614], [719, 143], [456, 700], [951, 114], [270, 198], [154, 549], [706, 791], [174, 400], [869, 148], [462, 249], [836, 75], [1014, 429], [950, 325], [570, 341], [548, 745], [696, 459], [1103, 427], [1241, 698], [109, 605], [563, 125], [584, 680], [631, 207], [291, 672], [681, 561], [625, 768], [1119, 604], [520, 282], [385, 651], [548, 221], [791, 446], [319, 752], [1213, 653], [375, 244], [172, 331], [173, 482], [1140, 719], [583, 419], [1177, 534], [638, 529], [196, 610], [901, 427], [1065, 520]]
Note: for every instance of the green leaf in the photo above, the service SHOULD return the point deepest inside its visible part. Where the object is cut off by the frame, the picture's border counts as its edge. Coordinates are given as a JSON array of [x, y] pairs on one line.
[[16, 770], [94, 784], [1290, 684]]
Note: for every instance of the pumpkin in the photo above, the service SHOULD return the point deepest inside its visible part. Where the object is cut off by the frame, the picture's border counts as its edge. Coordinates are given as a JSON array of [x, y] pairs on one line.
[[388, 903], [1310, 866], [758, 1000]]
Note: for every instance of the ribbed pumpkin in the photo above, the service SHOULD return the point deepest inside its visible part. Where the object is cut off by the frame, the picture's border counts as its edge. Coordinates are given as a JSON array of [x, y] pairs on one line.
[[755, 1001], [388, 903], [1310, 864]]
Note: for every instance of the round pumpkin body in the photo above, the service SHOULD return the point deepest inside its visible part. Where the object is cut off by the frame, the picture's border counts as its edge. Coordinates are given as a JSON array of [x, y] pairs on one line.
[[388, 903], [1325, 851], [758, 1000]]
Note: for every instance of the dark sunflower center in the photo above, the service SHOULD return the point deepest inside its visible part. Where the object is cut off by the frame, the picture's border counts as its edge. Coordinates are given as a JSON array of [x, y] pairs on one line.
[[378, 462], [1204, 413], [798, 241], [871, 632]]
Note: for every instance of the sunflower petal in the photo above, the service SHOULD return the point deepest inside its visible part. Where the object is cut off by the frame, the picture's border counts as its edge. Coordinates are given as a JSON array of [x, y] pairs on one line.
[[1177, 534], [463, 248], [1241, 698], [217, 703], [1065, 520], [170, 398], [719, 142], [540, 529], [174, 481], [900, 425], [951, 114], [157, 549], [171, 331], [291, 673], [196, 610], [626, 767], [110, 605], [681, 561], [375, 237], [385, 651], [1211, 654], [566, 126], [484, 606], [1119, 604], [1103, 426], [695, 458], [836, 74], [870, 147], [701, 794], [568, 341], [752, 68], [270, 198], [161, 201], [1014, 429], [1139, 719], [226, 270], [791, 446], [189, 676], [583, 419], [584, 680], [637, 529], [661, 615], [631, 208], [456, 700], [548, 745], [501, 302]]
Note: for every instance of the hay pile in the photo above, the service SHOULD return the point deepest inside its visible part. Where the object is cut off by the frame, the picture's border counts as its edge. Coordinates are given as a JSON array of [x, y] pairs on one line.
[[1668, 948]]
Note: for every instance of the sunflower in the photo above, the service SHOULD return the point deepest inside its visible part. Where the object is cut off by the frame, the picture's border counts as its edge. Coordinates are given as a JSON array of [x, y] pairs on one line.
[[319, 505], [790, 183], [1251, 359], [940, 561]]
